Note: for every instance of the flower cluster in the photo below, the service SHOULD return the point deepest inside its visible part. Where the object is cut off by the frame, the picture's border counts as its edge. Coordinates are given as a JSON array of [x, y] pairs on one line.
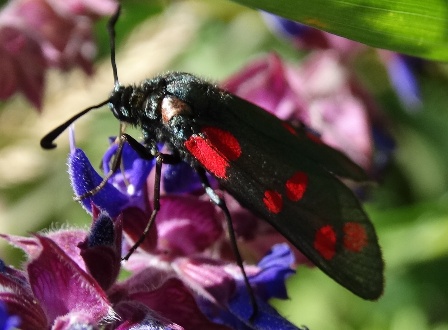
[[38, 34], [70, 281], [187, 245]]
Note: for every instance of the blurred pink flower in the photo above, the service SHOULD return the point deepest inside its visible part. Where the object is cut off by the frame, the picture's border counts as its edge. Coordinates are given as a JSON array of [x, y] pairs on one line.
[[92, 8], [320, 93], [22, 65], [38, 34], [401, 68]]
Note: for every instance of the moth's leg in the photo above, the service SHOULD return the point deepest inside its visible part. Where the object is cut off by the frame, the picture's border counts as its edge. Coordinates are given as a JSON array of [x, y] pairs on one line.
[[218, 201]]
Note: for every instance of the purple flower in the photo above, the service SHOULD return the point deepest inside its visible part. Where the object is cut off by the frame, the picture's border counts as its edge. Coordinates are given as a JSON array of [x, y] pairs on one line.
[[66, 294], [264, 82], [226, 298], [130, 185], [187, 247], [180, 178], [37, 34], [186, 250], [219, 290], [70, 281]]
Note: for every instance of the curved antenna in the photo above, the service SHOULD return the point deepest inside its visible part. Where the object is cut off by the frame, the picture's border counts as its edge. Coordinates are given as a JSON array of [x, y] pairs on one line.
[[111, 29], [47, 141]]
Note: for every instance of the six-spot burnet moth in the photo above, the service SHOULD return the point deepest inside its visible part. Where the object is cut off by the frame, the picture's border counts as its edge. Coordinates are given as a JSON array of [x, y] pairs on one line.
[[280, 172]]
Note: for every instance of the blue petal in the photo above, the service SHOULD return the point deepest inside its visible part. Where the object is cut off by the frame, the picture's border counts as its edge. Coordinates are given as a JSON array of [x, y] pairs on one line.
[[7, 321], [384, 147], [84, 178], [266, 318], [286, 27], [139, 174], [102, 232], [129, 155], [136, 168], [180, 178], [239, 310], [268, 283], [279, 256], [276, 267], [401, 75]]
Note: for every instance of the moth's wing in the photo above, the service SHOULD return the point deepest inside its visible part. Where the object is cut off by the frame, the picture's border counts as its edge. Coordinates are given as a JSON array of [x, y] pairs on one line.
[[267, 168], [331, 159]]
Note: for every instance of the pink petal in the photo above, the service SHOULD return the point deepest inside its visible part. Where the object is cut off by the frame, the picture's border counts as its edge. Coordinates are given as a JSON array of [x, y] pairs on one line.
[[22, 65], [68, 240], [134, 223], [186, 225], [85, 7], [137, 316], [206, 277], [264, 83], [174, 302], [63, 287]]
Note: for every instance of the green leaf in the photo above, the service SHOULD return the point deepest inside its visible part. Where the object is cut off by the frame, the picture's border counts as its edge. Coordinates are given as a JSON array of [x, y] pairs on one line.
[[413, 27]]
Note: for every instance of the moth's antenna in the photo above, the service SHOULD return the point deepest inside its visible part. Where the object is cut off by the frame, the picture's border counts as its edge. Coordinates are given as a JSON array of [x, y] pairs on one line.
[[47, 141], [111, 29]]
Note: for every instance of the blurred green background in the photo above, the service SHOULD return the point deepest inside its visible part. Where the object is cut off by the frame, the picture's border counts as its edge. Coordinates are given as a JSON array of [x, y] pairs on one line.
[[213, 39]]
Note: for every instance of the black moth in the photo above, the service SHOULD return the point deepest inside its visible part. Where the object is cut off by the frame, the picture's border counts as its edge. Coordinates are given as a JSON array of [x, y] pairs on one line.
[[278, 172]]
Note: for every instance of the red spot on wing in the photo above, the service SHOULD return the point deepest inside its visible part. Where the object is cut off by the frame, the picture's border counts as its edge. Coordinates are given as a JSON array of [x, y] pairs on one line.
[[355, 236], [273, 201], [224, 142], [207, 155], [214, 150], [296, 186], [325, 242]]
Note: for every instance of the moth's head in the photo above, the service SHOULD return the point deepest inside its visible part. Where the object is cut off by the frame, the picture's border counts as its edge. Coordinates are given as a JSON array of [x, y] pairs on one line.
[[121, 103]]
